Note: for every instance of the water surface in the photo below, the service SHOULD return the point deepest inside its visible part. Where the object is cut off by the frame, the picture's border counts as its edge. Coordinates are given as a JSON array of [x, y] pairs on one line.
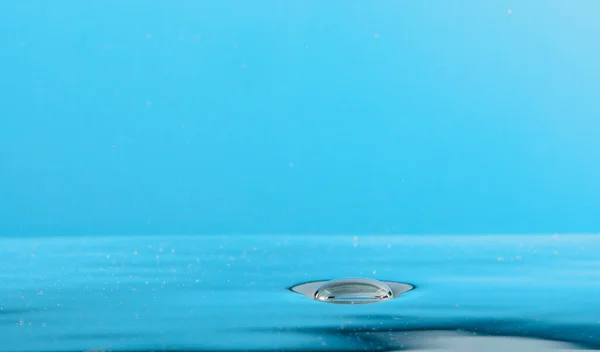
[[232, 292]]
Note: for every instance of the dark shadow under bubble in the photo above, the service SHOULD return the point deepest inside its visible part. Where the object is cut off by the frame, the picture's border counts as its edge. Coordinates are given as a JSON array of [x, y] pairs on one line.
[[398, 335], [384, 333], [583, 335]]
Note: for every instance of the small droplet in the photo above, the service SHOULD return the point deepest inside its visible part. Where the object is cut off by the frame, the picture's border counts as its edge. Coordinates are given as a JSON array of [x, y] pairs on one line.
[[353, 291], [376, 35], [509, 11]]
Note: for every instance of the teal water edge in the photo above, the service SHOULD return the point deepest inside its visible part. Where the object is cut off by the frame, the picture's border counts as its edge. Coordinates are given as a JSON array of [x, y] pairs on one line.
[[232, 293]]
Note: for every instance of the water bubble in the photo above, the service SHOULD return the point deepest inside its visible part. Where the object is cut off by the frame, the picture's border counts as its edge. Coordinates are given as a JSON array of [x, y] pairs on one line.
[[352, 291]]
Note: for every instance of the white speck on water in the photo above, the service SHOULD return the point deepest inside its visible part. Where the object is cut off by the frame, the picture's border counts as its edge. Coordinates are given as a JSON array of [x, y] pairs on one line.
[[376, 35], [509, 11], [148, 102]]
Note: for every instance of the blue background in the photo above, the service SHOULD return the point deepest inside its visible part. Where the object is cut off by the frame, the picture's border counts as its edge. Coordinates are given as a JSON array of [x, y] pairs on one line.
[[226, 117]]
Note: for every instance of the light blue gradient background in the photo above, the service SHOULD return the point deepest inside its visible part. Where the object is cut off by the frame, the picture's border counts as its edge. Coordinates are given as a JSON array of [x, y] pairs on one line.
[[456, 118]]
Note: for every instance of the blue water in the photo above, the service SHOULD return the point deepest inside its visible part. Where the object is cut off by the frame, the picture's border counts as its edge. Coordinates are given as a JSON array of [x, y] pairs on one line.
[[209, 293], [239, 147]]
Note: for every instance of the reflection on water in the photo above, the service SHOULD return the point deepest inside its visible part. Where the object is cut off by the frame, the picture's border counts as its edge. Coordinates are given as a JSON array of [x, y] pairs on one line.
[[210, 293]]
